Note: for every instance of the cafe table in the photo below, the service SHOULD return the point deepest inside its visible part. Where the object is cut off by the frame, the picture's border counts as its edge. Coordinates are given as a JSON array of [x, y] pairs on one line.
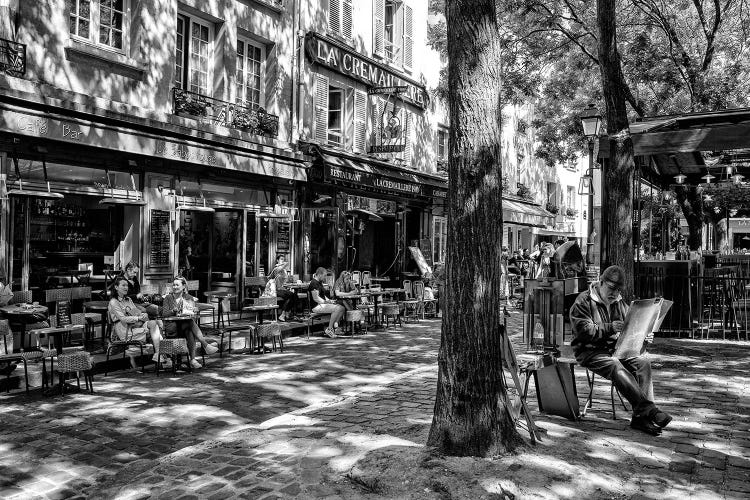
[[220, 296], [23, 314]]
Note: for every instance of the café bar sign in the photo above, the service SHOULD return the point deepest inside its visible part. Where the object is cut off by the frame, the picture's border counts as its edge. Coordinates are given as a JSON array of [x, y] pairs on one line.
[[346, 61], [373, 180]]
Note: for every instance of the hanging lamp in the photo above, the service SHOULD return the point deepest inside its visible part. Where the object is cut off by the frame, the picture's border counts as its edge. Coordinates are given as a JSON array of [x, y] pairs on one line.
[[111, 200], [195, 208]]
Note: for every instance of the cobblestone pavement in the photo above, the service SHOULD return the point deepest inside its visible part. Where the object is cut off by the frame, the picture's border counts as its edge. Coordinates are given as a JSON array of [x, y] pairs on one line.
[[292, 425]]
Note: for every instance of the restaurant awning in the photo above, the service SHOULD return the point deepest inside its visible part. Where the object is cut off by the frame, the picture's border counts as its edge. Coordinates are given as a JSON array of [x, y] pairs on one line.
[[370, 174], [526, 214], [555, 232]]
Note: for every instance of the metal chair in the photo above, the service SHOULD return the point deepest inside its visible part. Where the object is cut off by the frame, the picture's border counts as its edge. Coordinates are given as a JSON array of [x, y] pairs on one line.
[[271, 331], [76, 362], [354, 320], [24, 356], [204, 309], [589, 400], [391, 311], [424, 304], [357, 278], [252, 284], [366, 282], [411, 303]]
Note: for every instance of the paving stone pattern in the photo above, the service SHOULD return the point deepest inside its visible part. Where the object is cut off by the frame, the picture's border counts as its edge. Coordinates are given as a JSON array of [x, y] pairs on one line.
[[292, 425]]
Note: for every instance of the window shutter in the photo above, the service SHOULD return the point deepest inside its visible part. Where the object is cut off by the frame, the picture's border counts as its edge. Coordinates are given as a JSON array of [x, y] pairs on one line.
[[321, 109], [398, 36], [348, 119], [360, 121], [334, 16], [406, 119], [378, 30], [408, 37], [346, 18]]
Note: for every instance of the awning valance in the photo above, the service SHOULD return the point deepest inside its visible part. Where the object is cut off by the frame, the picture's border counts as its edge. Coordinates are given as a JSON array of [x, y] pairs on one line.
[[373, 175], [526, 214]]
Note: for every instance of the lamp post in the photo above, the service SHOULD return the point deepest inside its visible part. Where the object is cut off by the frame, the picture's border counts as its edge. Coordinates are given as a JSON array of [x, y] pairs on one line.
[[591, 122]]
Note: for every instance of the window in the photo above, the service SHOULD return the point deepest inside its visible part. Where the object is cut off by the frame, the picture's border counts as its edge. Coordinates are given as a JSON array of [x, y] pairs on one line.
[[335, 116], [250, 73], [393, 28], [442, 144], [340, 18], [103, 22], [340, 114], [439, 239], [570, 199], [193, 55], [552, 196]]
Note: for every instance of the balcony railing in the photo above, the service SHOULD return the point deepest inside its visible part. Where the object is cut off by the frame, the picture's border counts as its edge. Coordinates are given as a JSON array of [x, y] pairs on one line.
[[207, 109], [12, 57]]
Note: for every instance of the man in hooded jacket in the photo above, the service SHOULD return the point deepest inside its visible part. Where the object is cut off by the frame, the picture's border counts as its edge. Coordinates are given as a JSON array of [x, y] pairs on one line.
[[597, 318]]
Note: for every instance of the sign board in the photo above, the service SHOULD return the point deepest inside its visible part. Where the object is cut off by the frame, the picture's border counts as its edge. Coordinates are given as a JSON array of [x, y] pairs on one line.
[[386, 148], [344, 60], [282, 237], [160, 239], [416, 253], [425, 245], [388, 90]]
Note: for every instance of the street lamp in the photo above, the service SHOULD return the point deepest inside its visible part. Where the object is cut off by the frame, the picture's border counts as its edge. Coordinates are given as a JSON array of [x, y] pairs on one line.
[[591, 122]]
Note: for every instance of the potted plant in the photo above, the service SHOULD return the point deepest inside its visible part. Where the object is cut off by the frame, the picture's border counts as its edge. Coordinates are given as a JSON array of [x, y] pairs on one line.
[[571, 212], [552, 208], [524, 192]]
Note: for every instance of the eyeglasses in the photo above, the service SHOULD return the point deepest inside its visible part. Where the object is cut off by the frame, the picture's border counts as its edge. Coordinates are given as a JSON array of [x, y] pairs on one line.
[[613, 287]]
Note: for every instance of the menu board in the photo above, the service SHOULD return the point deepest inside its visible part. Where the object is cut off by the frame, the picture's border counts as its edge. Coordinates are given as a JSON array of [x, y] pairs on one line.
[[160, 239], [282, 237], [425, 245]]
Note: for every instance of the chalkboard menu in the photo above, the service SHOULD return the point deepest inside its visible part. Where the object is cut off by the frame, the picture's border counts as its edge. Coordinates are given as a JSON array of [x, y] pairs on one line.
[[426, 246], [160, 241], [63, 313], [282, 237]]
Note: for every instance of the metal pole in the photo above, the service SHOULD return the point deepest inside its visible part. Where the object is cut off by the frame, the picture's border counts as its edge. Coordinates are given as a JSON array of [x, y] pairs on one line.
[[729, 248], [590, 219]]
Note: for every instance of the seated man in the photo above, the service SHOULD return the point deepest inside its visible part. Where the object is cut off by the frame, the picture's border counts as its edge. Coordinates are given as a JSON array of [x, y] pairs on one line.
[[324, 304], [597, 320]]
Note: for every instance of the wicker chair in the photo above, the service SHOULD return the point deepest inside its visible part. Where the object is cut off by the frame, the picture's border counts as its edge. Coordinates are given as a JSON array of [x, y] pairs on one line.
[[24, 357], [258, 333], [426, 306], [204, 309], [125, 345], [76, 362], [253, 283], [391, 312], [174, 348], [411, 303], [355, 321]]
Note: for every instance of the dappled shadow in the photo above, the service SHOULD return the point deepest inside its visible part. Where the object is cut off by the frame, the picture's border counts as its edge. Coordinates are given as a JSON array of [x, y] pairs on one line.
[[134, 417]]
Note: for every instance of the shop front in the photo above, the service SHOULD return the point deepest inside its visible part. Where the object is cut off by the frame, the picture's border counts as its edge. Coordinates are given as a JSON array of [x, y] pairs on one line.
[[523, 222], [78, 194], [363, 214]]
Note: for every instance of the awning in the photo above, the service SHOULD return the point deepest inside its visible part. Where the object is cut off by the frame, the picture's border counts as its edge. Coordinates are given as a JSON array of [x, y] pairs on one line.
[[555, 232], [373, 175], [365, 213], [526, 214]]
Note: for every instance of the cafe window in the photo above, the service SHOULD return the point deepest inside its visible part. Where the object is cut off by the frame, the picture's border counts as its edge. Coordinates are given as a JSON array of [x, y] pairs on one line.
[[251, 62], [193, 54], [570, 199], [103, 22], [340, 18], [439, 239], [553, 198]]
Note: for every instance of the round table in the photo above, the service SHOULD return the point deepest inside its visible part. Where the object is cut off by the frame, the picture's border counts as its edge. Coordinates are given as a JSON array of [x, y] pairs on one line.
[[23, 314], [220, 296]]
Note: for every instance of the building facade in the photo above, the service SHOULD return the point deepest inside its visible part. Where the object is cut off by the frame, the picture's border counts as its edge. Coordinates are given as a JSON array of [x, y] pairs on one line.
[[204, 137]]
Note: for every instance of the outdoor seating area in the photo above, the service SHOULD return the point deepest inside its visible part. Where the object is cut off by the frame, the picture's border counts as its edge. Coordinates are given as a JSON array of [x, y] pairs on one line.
[[67, 333]]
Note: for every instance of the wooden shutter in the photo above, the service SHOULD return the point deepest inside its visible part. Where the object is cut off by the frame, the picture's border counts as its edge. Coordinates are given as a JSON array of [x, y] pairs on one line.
[[406, 121], [378, 28], [360, 121], [334, 16], [346, 19], [348, 119], [408, 37], [321, 109], [398, 36]]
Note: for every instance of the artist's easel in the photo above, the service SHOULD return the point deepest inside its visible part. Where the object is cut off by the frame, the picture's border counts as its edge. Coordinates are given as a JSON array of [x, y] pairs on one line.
[[509, 361]]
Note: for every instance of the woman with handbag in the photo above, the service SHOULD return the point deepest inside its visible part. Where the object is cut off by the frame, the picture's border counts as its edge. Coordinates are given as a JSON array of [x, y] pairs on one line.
[[130, 323]]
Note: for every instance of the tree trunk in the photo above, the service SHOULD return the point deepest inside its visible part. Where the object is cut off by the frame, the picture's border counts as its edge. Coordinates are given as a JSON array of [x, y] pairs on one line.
[[691, 203], [618, 171], [471, 415]]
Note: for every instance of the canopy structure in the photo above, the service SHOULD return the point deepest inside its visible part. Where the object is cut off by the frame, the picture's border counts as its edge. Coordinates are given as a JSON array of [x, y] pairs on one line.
[[692, 144]]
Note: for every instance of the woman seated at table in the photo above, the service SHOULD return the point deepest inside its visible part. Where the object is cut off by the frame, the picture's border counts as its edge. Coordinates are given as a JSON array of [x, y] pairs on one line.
[[343, 288], [180, 303], [324, 304], [130, 323]]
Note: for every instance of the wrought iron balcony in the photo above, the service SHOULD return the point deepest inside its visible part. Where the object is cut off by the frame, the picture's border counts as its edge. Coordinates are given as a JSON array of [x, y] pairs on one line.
[[12, 57], [253, 120]]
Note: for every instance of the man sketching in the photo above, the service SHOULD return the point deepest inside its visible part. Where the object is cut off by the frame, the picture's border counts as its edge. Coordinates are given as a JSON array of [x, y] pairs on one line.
[[597, 318]]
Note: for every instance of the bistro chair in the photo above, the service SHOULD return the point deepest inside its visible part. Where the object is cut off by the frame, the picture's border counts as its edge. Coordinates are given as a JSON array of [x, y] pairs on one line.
[[21, 297], [76, 362], [426, 306], [354, 320], [357, 278], [83, 293], [8, 356], [254, 287], [391, 312], [204, 309], [366, 279], [411, 303]]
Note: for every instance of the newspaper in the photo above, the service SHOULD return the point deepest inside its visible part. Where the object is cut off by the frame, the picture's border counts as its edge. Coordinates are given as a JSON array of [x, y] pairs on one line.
[[644, 317]]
